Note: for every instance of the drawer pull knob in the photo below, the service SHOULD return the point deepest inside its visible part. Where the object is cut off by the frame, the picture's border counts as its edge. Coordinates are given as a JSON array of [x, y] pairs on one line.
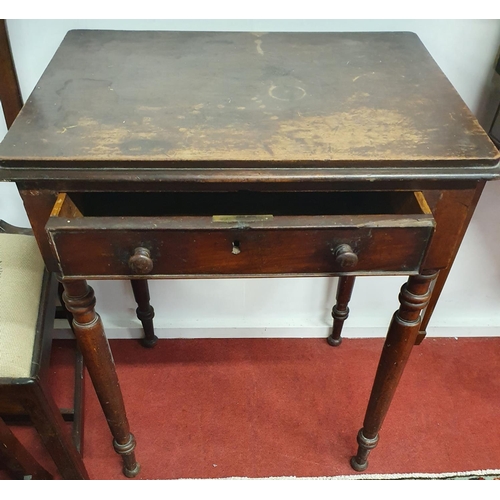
[[141, 262], [344, 256]]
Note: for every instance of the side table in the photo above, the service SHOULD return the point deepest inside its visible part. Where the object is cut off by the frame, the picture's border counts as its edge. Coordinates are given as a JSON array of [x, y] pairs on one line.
[[153, 155]]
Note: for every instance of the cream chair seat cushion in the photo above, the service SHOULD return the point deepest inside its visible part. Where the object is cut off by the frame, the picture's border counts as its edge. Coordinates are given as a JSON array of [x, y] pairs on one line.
[[21, 275]]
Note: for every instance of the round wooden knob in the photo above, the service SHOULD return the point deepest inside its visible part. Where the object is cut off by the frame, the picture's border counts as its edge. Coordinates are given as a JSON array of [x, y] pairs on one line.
[[141, 262], [344, 256]]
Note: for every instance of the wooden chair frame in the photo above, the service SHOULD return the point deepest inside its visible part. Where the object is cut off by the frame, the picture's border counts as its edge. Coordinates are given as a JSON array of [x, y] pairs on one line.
[[30, 400]]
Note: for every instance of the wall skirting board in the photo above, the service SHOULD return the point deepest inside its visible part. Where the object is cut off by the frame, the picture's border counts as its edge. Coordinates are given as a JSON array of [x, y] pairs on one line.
[[294, 331]]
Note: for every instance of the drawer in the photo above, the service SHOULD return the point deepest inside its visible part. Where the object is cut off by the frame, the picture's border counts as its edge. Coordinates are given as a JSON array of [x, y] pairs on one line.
[[121, 235]]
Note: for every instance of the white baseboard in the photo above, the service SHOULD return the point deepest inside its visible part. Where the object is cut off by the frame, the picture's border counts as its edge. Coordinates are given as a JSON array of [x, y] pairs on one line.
[[294, 331]]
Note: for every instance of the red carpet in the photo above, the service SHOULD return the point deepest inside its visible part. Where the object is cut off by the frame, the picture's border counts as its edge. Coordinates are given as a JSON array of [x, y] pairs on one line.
[[216, 408]]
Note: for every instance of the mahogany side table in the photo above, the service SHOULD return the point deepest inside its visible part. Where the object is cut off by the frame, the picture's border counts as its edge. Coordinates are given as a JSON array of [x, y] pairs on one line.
[[148, 155]]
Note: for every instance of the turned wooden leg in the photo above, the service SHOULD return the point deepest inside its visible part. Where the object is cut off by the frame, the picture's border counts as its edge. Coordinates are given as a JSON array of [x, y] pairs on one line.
[[80, 301], [144, 311], [401, 336], [340, 311]]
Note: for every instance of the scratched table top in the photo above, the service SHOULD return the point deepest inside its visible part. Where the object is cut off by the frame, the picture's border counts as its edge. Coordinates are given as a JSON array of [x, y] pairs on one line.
[[132, 99]]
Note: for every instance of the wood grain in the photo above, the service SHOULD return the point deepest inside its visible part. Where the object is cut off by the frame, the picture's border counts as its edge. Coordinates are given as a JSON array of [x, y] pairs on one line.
[[10, 93], [388, 233], [286, 99]]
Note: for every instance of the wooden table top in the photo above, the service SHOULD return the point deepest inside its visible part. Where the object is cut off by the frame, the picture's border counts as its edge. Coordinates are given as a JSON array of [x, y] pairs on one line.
[[136, 100]]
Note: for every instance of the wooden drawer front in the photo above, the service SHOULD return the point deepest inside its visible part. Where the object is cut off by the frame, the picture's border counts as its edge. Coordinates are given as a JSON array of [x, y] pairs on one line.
[[192, 245]]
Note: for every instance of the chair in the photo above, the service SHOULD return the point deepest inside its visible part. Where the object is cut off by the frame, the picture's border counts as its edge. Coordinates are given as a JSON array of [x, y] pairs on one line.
[[27, 309], [19, 463]]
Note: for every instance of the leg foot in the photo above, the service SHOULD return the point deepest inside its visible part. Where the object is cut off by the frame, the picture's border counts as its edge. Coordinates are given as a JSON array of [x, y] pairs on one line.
[[334, 342], [358, 467], [133, 472], [151, 342], [130, 467], [340, 311], [360, 462]]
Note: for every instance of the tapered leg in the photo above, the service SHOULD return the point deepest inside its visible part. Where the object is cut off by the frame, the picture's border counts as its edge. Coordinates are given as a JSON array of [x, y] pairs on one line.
[[17, 459], [48, 421], [80, 301], [144, 311], [401, 336], [340, 310]]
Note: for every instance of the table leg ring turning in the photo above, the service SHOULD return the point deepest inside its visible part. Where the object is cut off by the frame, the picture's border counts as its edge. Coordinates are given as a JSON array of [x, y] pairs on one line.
[[360, 462], [130, 467]]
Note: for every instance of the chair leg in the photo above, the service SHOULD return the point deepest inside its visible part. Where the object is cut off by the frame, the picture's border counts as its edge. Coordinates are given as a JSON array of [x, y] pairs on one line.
[[78, 402], [76, 415], [49, 423], [17, 459], [340, 310], [144, 311]]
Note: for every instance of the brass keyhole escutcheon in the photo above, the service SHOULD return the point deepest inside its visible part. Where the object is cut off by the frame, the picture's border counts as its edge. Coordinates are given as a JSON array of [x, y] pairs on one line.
[[236, 247]]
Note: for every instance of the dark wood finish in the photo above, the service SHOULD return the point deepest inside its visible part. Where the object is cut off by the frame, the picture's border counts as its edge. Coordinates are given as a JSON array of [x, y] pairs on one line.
[[401, 336], [144, 311], [17, 413], [345, 257], [182, 249], [494, 131], [10, 93], [172, 99], [47, 419], [38, 206], [32, 396], [11, 99], [76, 414], [340, 311], [200, 245], [87, 326], [452, 211], [20, 464], [13, 412], [143, 124], [140, 262], [10, 229]]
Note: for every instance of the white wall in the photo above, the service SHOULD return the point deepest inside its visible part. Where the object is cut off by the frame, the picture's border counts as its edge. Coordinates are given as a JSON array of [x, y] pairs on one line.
[[470, 304]]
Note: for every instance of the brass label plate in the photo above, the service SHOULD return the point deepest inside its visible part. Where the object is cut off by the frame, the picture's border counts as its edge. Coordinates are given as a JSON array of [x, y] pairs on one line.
[[241, 218]]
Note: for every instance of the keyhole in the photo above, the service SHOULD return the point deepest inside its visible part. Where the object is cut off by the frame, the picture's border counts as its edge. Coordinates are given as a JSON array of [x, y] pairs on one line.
[[236, 247]]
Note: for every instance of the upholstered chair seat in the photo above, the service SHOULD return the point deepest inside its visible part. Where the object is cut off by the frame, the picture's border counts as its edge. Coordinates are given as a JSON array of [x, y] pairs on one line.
[[28, 294], [21, 276]]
